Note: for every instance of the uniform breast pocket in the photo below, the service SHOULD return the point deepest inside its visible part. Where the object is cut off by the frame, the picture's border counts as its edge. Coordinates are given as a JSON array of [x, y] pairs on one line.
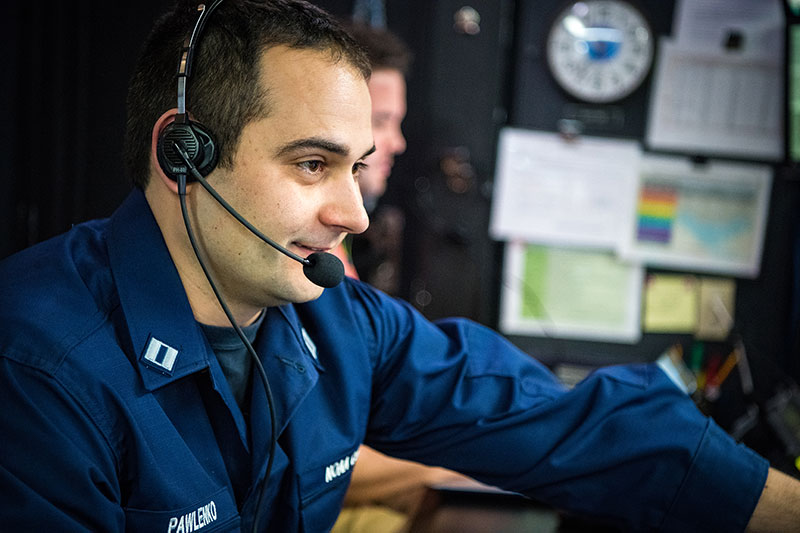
[[212, 514], [322, 490]]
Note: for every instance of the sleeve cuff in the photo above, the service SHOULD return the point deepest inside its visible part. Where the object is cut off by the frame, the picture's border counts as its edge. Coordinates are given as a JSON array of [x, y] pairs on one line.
[[722, 487]]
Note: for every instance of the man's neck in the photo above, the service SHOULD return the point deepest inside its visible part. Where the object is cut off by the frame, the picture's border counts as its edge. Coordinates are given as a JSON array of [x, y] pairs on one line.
[[204, 303]]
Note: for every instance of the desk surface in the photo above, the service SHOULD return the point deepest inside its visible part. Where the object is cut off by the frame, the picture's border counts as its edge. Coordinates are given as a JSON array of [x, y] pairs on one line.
[[448, 509]]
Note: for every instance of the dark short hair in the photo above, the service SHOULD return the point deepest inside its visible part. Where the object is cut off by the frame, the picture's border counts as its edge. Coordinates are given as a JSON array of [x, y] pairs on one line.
[[223, 91], [384, 48]]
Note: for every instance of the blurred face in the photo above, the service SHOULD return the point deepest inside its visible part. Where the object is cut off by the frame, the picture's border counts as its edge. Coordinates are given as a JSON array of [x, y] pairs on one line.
[[294, 177], [387, 89]]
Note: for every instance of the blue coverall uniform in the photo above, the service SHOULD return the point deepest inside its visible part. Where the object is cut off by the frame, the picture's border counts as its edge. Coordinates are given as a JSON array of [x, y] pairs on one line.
[[115, 414]]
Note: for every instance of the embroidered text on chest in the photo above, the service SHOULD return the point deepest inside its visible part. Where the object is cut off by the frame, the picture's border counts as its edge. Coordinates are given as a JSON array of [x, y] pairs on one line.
[[194, 520], [342, 466]]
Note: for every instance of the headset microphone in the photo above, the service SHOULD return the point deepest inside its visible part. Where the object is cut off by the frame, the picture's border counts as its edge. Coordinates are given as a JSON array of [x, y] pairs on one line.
[[322, 269]]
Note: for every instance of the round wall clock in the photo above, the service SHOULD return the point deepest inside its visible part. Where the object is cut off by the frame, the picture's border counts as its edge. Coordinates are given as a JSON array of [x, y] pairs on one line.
[[600, 51]]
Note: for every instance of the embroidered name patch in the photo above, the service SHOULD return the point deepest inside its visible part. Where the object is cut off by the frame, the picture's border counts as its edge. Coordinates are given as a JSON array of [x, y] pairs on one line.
[[194, 519]]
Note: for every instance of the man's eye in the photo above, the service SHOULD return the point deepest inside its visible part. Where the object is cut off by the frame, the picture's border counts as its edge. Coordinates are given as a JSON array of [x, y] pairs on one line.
[[311, 166], [359, 167]]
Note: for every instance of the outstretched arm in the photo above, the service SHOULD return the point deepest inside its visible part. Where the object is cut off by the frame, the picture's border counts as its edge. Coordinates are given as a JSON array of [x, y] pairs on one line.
[[778, 508], [382, 480]]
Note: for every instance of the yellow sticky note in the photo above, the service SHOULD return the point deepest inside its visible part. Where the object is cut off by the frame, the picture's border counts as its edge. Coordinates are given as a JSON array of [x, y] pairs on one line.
[[671, 303]]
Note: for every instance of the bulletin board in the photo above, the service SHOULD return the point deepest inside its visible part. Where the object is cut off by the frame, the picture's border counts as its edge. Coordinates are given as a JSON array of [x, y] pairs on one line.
[[538, 104]]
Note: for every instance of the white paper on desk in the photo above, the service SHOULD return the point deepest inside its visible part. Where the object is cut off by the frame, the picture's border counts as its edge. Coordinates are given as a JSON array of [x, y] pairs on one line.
[[570, 293], [552, 191], [709, 23], [712, 103], [707, 218]]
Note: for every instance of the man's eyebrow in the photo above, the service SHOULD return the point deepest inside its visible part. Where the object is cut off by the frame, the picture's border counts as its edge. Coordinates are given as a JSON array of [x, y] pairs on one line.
[[314, 143]]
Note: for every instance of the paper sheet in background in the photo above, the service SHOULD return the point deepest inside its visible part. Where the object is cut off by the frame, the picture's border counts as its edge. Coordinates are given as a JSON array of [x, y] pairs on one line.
[[710, 102], [718, 83], [553, 191], [708, 218], [570, 293], [717, 304], [710, 24]]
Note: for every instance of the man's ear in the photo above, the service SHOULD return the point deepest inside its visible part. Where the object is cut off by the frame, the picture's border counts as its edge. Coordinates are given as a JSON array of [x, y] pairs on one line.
[[155, 168]]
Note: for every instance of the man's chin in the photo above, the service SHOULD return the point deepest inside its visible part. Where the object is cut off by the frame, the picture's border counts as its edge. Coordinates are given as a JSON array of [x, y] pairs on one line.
[[317, 292], [303, 292]]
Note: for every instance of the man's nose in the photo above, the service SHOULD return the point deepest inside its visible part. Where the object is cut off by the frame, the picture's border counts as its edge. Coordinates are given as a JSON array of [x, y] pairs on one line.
[[344, 206]]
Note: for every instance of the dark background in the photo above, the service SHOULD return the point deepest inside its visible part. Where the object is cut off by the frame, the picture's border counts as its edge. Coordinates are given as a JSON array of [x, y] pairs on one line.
[[66, 68]]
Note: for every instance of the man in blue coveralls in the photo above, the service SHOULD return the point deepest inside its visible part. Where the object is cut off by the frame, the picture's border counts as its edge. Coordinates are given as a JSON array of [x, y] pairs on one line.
[[130, 403]]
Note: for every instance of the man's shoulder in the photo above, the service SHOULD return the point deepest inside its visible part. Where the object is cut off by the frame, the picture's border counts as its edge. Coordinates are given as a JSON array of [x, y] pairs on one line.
[[54, 294]]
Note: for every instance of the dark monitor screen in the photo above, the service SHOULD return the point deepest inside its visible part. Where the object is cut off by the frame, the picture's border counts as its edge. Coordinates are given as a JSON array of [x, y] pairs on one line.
[[793, 92]]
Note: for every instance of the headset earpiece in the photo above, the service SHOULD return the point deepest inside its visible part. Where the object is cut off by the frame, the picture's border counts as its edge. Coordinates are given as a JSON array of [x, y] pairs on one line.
[[198, 142]]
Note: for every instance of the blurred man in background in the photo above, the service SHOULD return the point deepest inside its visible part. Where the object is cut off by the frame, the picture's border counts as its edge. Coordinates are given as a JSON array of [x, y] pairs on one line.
[[375, 255]]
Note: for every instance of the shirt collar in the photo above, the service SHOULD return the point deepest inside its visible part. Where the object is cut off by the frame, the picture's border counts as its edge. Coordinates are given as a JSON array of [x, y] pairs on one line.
[[167, 342]]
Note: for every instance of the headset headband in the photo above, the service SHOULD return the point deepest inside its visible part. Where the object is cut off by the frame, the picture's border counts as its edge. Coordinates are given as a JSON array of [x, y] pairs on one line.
[[187, 54]]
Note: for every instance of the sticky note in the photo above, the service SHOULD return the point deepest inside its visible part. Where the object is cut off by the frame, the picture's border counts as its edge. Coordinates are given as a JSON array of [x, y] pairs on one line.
[[671, 303], [717, 300]]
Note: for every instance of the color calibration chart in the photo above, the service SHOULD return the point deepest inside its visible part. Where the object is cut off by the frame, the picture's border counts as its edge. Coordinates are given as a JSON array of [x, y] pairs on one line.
[[655, 215]]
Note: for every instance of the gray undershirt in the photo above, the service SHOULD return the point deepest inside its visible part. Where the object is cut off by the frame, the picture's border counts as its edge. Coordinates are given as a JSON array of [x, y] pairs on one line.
[[236, 363]]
